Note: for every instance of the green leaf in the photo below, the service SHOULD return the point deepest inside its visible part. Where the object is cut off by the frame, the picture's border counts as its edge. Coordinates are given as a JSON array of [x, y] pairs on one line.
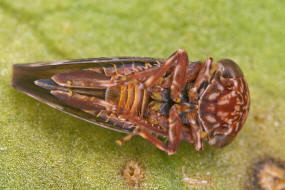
[[42, 148]]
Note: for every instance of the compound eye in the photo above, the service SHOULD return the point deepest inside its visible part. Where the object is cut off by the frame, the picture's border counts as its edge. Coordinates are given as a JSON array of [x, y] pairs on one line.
[[229, 69], [220, 141]]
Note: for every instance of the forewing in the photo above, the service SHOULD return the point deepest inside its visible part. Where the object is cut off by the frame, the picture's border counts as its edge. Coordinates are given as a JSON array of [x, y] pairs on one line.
[[24, 76]]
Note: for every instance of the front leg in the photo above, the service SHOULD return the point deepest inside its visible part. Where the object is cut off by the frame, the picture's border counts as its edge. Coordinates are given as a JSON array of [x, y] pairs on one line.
[[146, 130], [175, 129], [179, 76], [204, 76], [196, 131], [178, 62]]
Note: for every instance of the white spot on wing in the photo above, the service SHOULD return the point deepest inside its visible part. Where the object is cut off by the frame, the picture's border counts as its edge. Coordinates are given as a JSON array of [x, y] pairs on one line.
[[222, 114], [216, 125], [213, 96], [237, 108], [223, 102], [211, 119]]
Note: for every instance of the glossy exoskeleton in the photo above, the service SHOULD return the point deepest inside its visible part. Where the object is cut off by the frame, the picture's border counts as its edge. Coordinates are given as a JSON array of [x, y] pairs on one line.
[[149, 97]]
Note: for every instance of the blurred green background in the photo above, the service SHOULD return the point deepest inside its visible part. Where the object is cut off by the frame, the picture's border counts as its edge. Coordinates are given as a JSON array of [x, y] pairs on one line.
[[42, 148]]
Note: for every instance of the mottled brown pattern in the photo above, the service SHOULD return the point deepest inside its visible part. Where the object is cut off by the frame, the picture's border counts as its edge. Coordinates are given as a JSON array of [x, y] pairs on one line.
[[224, 108], [173, 98]]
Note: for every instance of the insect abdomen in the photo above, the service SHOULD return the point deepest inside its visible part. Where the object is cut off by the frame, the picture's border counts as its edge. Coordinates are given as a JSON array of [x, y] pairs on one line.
[[130, 97]]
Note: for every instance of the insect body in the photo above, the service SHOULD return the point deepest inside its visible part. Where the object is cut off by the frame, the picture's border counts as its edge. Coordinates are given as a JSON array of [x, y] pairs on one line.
[[173, 98]]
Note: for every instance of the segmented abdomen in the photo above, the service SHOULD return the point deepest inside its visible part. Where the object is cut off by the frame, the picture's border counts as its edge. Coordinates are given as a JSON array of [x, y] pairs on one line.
[[131, 97]]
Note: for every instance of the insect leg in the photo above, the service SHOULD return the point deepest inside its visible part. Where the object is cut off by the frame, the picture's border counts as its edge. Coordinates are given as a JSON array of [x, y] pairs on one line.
[[146, 130], [83, 79], [175, 130], [196, 131], [180, 60], [153, 140], [146, 134], [82, 102], [174, 134], [204, 76], [179, 76], [163, 69]]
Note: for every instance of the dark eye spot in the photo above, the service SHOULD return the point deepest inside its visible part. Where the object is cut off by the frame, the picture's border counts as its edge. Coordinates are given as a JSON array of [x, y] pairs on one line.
[[229, 69]]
